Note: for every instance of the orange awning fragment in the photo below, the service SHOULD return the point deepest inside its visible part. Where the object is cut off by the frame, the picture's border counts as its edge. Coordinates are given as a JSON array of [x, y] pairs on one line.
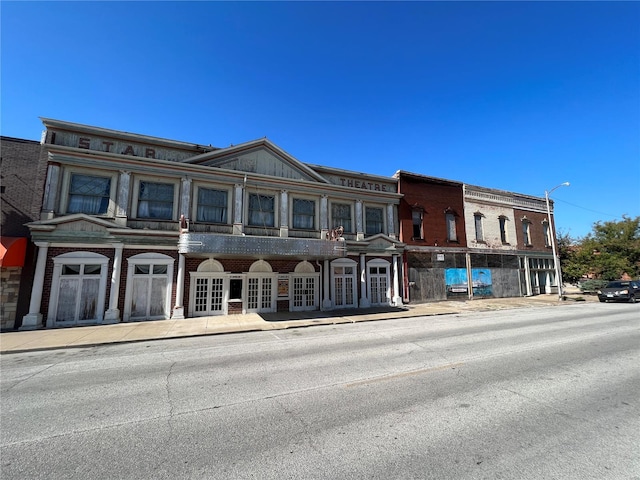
[[12, 251]]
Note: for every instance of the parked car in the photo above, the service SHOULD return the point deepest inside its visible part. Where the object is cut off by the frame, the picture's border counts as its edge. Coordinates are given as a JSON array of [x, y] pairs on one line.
[[620, 291]]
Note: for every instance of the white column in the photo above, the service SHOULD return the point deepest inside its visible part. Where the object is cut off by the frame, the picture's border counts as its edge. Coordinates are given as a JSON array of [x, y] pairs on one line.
[[364, 300], [33, 319], [397, 298], [178, 309], [359, 221], [391, 221], [527, 275], [50, 192], [113, 314], [324, 217], [237, 209], [122, 201], [326, 300], [284, 213]]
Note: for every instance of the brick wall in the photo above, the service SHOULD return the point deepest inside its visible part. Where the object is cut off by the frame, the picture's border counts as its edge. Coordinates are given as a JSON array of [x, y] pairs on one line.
[[490, 226], [536, 230], [21, 184], [23, 167], [434, 197]]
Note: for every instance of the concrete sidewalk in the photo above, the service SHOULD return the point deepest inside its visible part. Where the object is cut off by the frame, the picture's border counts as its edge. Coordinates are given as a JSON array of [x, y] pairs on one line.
[[13, 342]]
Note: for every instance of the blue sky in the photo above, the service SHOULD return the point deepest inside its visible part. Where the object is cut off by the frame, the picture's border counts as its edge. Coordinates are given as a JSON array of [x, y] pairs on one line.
[[518, 96]]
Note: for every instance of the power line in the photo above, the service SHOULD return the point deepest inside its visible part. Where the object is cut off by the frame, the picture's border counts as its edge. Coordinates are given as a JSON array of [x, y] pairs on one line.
[[587, 209]]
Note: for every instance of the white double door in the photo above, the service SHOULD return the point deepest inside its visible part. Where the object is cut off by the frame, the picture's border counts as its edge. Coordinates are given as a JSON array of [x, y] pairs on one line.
[[379, 291], [305, 293], [209, 295], [260, 295]]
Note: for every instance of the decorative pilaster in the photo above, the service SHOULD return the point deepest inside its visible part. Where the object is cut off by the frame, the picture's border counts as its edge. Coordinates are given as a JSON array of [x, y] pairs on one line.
[[185, 197], [50, 192], [284, 213], [359, 221], [178, 309], [113, 314], [122, 202], [364, 300], [237, 208], [391, 221], [33, 319], [324, 216]]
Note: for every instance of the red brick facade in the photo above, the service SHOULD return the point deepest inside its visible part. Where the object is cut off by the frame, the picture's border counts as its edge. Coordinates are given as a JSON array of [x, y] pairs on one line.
[[536, 222], [435, 198]]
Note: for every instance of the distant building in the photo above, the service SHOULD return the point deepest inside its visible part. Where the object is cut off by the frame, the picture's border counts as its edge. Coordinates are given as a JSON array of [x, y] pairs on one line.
[[133, 228]]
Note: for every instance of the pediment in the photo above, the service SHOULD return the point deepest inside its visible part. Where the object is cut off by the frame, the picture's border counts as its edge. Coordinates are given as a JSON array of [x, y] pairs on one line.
[[261, 157], [78, 222], [382, 241]]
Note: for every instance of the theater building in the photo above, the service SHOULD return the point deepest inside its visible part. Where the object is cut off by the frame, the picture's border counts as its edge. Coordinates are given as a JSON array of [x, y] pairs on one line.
[[134, 228]]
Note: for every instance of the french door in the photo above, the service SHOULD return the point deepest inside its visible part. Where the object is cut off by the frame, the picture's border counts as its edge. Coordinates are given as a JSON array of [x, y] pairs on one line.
[[260, 296], [344, 287], [379, 286], [208, 296], [78, 289], [305, 294], [78, 294]]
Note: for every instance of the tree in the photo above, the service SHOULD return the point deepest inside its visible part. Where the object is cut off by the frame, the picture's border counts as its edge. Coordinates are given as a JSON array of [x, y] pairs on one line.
[[610, 251], [572, 271]]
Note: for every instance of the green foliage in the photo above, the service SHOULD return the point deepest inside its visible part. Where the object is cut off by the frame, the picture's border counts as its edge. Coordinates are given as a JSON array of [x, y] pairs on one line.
[[611, 250], [590, 286]]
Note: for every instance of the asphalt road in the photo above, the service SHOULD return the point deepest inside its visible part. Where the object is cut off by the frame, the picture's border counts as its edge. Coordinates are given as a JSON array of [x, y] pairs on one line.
[[540, 393]]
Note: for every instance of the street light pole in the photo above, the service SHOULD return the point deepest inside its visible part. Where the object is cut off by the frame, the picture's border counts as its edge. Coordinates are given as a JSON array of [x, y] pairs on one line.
[[556, 263]]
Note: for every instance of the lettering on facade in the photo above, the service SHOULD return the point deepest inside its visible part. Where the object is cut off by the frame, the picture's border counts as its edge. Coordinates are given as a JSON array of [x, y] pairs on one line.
[[85, 142], [347, 182]]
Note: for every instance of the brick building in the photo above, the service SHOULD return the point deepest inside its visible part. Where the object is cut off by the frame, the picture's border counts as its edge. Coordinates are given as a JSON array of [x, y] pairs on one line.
[[458, 235], [133, 227], [22, 176]]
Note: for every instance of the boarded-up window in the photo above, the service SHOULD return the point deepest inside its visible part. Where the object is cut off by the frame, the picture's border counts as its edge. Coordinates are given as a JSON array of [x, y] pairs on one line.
[[452, 235]]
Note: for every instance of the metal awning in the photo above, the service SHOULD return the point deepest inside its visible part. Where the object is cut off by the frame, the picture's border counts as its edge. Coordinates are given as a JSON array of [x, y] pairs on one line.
[[259, 247]]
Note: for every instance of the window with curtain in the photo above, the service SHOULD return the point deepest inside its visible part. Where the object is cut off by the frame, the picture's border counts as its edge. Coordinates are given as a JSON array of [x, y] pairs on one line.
[[89, 194], [155, 200], [212, 206], [477, 217], [452, 235], [374, 220], [341, 216], [304, 214], [416, 216], [261, 210]]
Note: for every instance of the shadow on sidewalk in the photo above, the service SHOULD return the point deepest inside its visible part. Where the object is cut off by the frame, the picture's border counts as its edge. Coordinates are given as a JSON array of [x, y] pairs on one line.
[[310, 315]]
